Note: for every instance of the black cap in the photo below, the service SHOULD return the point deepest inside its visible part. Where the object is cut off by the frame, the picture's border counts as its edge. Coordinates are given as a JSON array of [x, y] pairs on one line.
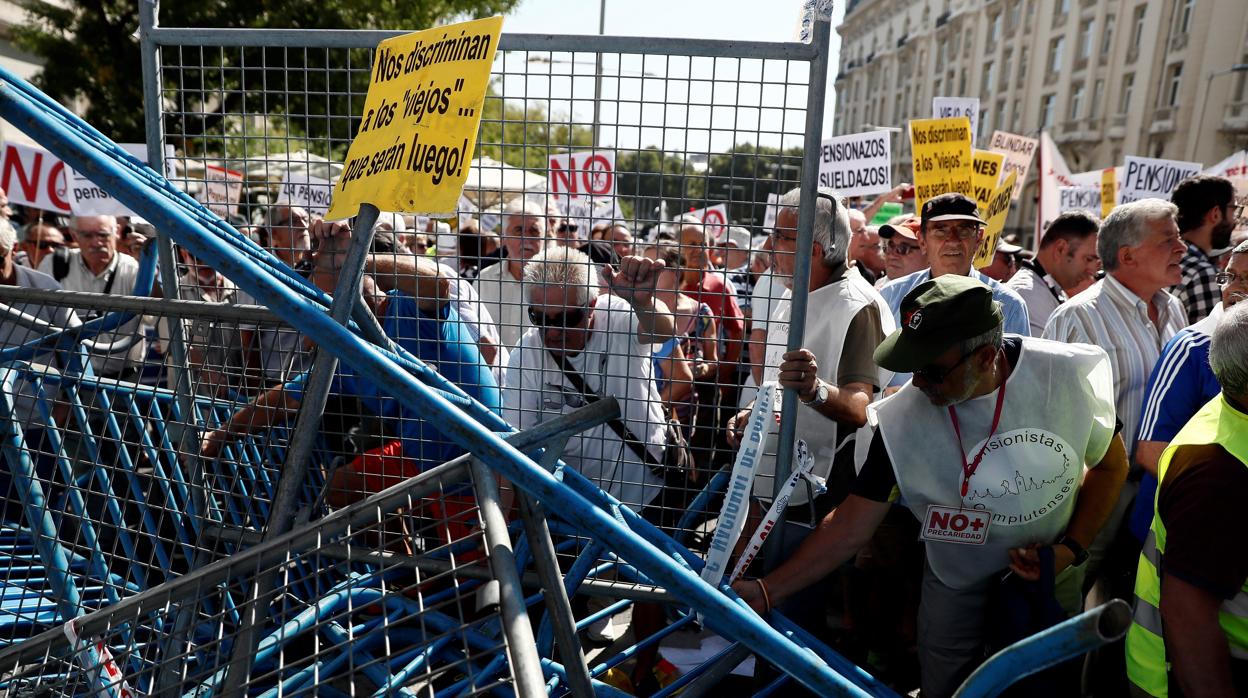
[[950, 207]]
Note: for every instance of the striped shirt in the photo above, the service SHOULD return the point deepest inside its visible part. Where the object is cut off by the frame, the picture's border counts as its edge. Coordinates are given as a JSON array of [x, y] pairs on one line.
[[1112, 317]]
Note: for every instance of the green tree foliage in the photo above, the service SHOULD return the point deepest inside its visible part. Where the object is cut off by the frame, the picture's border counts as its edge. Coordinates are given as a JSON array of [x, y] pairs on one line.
[[524, 134], [92, 57]]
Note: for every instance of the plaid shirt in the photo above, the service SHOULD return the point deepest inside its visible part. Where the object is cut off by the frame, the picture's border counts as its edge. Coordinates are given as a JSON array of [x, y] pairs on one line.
[[1198, 290]]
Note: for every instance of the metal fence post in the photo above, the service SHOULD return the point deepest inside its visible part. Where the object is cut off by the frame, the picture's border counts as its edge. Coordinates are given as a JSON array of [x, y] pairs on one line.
[[801, 269]]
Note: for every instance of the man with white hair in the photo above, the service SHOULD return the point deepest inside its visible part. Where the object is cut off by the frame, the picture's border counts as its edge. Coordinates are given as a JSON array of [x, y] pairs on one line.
[[96, 267], [1189, 634], [1130, 315], [833, 373], [501, 286], [864, 247], [585, 345]]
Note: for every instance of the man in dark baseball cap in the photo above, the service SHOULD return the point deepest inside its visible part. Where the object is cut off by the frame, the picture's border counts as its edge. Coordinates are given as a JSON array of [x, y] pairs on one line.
[[950, 233], [950, 207], [1005, 450]]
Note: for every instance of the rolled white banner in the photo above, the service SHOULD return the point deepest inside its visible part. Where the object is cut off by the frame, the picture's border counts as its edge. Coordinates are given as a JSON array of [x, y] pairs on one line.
[[733, 513], [806, 462]]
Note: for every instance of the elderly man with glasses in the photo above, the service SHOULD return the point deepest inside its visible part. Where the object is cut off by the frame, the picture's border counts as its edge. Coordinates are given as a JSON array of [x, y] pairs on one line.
[[41, 240], [583, 345], [950, 231], [899, 242]]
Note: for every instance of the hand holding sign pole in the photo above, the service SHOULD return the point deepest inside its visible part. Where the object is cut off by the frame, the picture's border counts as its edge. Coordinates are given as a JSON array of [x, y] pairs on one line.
[[420, 120]]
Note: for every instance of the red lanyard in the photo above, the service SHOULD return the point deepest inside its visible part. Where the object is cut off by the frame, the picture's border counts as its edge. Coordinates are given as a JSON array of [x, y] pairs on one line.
[[968, 469]]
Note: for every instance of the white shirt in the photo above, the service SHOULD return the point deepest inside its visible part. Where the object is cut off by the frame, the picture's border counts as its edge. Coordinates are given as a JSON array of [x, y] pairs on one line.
[[1112, 317], [475, 317], [613, 363], [1033, 464], [13, 334], [1042, 295], [505, 299], [124, 271]]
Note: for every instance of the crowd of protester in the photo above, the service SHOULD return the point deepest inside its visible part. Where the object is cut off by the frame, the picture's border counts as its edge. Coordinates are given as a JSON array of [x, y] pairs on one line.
[[1114, 340]]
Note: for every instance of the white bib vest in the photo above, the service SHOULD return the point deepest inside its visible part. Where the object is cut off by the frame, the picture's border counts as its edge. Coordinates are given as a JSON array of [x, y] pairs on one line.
[[829, 310], [1057, 418]]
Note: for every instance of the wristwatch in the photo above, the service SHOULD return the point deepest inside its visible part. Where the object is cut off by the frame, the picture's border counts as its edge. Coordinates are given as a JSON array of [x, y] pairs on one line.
[[1081, 555], [821, 394]]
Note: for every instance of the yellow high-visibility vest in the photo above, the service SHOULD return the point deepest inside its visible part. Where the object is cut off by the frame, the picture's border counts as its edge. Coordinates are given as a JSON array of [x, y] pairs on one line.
[[1216, 423]]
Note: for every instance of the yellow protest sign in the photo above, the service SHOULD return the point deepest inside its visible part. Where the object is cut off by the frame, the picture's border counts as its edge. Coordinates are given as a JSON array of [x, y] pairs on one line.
[[985, 174], [942, 157], [1109, 191], [996, 211], [420, 119]]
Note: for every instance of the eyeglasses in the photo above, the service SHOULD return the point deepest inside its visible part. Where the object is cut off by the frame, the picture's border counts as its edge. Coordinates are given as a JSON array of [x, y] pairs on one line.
[[564, 320], [48, 245], [900, 249], [1235, 209], [1226, 278], [95, 234], [777, 236], [567, 227], [961, 232], [937, 374]]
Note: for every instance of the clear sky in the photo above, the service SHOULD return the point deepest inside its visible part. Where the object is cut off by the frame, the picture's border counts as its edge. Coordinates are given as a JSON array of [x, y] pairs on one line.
[[752, 20]]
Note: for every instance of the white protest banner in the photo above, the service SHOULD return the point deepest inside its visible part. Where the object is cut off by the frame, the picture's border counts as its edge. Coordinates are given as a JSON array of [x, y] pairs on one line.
[[715, 220], [949, 107], [302, 189], [1151, 177], [580, 175], [89, 199], [221, 191], [34, 177], [735, 510], [1079, 198], [769, 213], [1018, 151], [1053, 174], [857, 164], [1233, 167]]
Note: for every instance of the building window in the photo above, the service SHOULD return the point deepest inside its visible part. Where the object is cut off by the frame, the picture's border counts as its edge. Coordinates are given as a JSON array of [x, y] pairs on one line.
[[1063, 7], [1047, 103], [1137, 28], [962, 83], [1085, 40], [1173, 79], [1098, 92], [1000, 117], [1107, 36], [1056, 47], [990, 79], [994, 29], [1022, 64], [1124, 100], [1016, 113], [1005, 68], [1183, 16], [984, 123], [1076, 102], [1014, 13]]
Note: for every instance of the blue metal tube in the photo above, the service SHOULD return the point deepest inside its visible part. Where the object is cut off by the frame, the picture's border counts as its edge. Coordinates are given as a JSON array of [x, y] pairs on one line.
[[728, 616], [1078, 636]]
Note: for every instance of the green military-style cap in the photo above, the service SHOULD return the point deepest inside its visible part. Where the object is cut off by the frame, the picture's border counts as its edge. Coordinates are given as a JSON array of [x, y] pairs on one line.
[[936, 315]]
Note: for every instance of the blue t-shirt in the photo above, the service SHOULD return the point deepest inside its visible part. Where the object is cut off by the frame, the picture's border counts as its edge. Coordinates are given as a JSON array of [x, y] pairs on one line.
[[446, 346], [1181, 383]]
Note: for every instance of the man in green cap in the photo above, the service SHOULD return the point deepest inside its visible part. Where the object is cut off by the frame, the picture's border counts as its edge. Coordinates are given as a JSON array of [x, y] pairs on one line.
[[987, 445]]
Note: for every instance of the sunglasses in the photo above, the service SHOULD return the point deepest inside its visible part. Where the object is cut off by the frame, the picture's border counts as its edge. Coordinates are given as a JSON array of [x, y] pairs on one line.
[[564, 320], [568, 228], [900, 249], [48, 245], [937, 374]]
